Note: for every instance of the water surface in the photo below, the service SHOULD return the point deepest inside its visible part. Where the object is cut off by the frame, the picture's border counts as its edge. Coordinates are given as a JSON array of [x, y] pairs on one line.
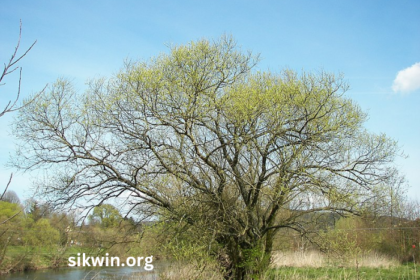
[[104, 273]]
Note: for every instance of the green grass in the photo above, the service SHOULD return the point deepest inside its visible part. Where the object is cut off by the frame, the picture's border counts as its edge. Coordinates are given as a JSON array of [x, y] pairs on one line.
[[403, 272]]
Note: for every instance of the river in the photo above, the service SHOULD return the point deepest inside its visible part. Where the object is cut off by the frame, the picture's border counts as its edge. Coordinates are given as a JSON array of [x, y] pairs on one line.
[[104, 273]]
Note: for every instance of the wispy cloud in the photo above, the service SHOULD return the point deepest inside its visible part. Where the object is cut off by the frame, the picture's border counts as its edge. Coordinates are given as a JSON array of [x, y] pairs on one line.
[[408, 79]]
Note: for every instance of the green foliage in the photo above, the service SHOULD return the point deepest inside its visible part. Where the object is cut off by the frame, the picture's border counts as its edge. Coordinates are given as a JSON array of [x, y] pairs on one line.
[[8, 210], [42, 234], [349, 239], [11, 219], [253, 261], [106, 215]]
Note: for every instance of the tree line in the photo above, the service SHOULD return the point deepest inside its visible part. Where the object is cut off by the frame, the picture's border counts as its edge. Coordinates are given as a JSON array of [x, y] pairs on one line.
[[33, 235]]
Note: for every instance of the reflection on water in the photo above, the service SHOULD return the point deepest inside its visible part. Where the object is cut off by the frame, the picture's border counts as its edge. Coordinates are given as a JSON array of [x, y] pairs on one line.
[[115, 273]]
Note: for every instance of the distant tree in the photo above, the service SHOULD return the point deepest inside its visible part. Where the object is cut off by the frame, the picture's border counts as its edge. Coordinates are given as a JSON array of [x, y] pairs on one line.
[[42, 234], [39, 210], [64, 223], [106, 215], [11, 196], [234, 156], [9, 210]]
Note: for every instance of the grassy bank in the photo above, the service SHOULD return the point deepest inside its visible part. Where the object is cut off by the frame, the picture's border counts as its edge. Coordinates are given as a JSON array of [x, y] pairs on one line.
[[315, 265], [26, 258], [401, 272], [309, 265]]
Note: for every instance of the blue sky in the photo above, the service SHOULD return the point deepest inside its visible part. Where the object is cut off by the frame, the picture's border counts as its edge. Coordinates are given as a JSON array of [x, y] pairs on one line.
[[375, 44]]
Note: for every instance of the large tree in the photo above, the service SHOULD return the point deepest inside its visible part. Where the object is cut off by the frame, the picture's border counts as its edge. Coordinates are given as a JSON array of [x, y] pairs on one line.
[[202, 139]]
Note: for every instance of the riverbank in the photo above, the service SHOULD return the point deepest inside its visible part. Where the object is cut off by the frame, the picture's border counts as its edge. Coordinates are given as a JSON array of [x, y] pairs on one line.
[[24, 258]]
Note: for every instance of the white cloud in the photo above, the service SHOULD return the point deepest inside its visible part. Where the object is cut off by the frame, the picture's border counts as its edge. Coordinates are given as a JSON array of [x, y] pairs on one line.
[[407, 80]]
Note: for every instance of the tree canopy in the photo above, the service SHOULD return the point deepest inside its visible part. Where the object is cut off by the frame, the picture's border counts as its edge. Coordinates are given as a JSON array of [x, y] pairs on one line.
[[200, 138], [106, 215]]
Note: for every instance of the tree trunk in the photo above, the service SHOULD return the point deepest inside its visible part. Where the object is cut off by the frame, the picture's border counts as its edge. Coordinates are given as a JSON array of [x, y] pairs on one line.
[[268, 248], [244, 263]]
